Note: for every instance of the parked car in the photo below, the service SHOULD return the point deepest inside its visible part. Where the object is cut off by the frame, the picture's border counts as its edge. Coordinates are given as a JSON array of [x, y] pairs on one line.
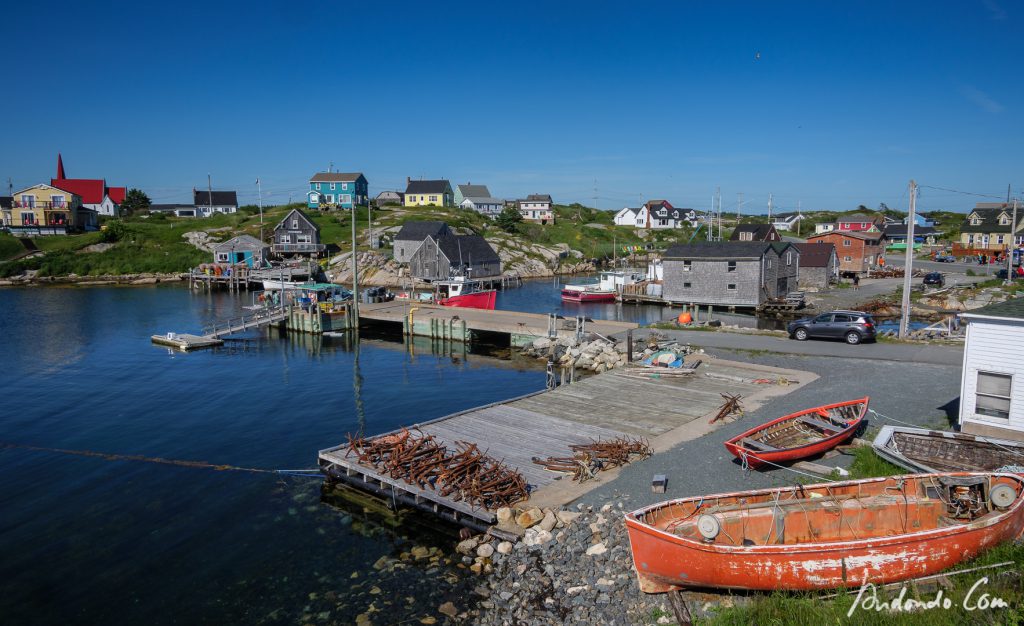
[[945, 258], [934, 279], [852, 326], [1001, 274]]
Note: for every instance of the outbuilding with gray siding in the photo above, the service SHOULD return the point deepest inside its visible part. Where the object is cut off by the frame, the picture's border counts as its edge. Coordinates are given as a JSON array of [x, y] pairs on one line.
[[439, 258], [734, 274]]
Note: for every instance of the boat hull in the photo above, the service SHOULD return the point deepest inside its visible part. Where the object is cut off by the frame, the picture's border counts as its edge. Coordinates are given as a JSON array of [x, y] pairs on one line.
[[756, 458], [665, 561], [922, 450], [570, 295], [477, 300]]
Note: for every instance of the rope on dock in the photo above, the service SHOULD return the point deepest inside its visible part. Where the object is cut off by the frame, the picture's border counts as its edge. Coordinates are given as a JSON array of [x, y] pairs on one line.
[[106, 456]]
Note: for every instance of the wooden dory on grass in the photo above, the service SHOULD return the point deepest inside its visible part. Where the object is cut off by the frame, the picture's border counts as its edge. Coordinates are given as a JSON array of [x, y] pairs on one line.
[[878, 530], [922, 450], [799, 435]]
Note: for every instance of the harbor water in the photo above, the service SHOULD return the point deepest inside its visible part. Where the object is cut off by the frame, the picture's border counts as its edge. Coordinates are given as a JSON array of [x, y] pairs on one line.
[[89, 538]]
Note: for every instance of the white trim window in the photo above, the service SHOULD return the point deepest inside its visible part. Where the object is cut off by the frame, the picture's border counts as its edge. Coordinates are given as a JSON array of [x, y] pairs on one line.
[[433, 198], [330, 198], [332, 186], [344, 198], [789, 258], [992, 396], [687, 266], [847, 243]]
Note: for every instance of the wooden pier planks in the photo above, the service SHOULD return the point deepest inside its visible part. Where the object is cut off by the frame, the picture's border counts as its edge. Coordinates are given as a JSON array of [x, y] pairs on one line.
[[546, 424]]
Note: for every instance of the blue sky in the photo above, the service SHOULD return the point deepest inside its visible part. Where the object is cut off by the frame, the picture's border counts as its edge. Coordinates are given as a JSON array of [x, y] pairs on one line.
[[831, 104]]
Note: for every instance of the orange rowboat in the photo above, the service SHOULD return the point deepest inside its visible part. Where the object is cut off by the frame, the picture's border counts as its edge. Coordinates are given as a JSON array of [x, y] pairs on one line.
[[877, 530], [799, 435]]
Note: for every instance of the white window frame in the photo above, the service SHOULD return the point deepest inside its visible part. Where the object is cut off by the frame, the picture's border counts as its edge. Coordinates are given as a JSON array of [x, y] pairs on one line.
[[344, 186], [330, 198], [285, 238], [847, 259], [1008, 398], [730, 266], [433, 198], [304, 238], [344, 198], [295, 222], [687, 266], [847, 243], [789, 258], [318, 186]]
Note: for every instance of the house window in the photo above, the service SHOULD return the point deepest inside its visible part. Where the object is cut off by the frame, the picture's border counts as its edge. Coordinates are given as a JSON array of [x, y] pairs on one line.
[[662, 222], [731, 267], [993, 395], [330, 198], [747, 236], [28, 202], [846, 258], [687, 285], [769, 263], [318, 186], [344, 198], [222, 257], [433, 198], [999, 239], [789, 258], [332, 186], [344, 186], [411, 198], [687, 265], [58, 202], [1004, 221], [28, 218], [846, 243], [975, 221], [731, 287], [303, 239], [286, 238]]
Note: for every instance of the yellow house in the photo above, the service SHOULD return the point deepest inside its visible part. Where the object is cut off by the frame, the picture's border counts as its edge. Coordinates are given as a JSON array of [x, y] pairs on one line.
[[987, 227], [46, 210], [428, 193]]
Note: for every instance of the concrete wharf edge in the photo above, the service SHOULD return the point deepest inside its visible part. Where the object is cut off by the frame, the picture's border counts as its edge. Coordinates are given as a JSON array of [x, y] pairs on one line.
[[664, 411]]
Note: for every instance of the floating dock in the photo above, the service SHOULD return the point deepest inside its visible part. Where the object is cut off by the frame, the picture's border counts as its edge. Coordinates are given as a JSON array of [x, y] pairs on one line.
[[663, 410]]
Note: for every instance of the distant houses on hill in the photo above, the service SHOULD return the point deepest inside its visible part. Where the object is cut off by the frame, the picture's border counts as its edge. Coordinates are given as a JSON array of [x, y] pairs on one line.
[[337, 190]]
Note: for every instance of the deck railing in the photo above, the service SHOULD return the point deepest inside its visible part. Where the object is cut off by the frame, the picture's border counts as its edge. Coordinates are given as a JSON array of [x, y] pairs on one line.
[[244, 322]]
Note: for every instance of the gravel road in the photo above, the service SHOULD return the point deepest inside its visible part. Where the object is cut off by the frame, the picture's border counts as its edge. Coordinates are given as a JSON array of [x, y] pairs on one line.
[[922, 394]]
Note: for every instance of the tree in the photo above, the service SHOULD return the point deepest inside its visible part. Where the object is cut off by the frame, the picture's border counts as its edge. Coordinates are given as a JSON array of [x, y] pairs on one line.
[[135, 201], [509, 219]]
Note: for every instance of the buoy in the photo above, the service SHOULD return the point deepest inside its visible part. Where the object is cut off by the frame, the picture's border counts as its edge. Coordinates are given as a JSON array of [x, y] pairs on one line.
[[684, 318]]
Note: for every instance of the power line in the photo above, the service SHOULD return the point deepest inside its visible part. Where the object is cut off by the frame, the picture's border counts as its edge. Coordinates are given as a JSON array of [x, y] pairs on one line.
[[966, 193]]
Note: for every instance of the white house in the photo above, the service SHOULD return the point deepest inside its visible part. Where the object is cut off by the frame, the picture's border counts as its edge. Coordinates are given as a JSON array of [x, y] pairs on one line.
[[491, 207], [786, 221], [627, 217], [992, 387], [537, 208], [209, 202], [824, 227]]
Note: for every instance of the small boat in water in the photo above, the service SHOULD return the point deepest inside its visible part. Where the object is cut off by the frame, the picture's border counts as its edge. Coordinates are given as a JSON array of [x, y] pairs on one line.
[[587, 293], [463, 292], [922, 450], [285, 285], [799, 435], [877, 530]]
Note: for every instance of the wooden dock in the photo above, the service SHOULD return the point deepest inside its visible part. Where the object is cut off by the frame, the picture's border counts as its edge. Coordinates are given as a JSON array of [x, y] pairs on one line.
[[458, 324], [546, 423]]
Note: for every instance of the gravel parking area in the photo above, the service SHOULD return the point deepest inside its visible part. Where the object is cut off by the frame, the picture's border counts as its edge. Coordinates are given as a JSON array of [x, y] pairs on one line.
[[921, 394]]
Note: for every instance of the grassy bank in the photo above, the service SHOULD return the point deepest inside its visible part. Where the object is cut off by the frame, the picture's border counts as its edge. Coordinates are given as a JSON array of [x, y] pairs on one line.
[[801, 609], [154, 243]]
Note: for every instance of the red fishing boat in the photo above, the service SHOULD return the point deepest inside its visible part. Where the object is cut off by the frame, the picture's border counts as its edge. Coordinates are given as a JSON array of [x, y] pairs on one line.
[[799, 435], [587, 293], [877, 530], [465, 293]]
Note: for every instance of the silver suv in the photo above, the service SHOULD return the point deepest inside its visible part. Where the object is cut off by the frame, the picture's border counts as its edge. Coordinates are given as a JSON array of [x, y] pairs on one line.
[[852, 326]]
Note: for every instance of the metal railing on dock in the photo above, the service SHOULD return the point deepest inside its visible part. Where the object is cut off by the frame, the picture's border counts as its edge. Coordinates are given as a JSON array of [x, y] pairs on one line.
[[271, 315]]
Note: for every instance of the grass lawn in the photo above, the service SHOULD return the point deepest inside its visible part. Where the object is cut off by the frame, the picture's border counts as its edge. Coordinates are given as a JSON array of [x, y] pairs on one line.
[[9, 246], [802, 609]]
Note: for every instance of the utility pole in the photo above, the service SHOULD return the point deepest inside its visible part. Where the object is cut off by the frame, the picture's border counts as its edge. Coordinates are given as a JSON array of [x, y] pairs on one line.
[[711, 220], [739, 206], [718, 198], [908, 264], [799, 218], [259, 193], [209, 189], [355, 274], [1013, 245]]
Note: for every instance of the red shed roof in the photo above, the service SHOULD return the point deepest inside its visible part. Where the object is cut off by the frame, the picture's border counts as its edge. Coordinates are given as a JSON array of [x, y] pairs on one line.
[[91, 190], [117, 194]]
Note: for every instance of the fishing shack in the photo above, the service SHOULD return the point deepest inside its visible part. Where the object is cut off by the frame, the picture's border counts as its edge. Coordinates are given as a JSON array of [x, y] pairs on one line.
[[317, 308], [243, 249]]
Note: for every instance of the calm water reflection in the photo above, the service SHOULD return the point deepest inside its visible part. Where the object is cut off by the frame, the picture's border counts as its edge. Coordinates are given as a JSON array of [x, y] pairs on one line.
[[91, 540]]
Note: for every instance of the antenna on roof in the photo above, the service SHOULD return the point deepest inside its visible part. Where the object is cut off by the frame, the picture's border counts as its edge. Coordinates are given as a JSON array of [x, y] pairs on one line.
[[330, 167]]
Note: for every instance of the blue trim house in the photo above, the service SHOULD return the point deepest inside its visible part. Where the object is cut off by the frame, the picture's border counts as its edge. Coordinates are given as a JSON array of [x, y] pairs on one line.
[[336, 190]]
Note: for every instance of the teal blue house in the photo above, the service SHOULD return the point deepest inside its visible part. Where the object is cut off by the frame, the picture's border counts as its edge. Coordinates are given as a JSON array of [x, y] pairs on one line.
[[337, 190]]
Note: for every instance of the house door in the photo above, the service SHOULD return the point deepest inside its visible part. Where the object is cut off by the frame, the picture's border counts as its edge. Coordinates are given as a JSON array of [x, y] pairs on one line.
[[782, 287]]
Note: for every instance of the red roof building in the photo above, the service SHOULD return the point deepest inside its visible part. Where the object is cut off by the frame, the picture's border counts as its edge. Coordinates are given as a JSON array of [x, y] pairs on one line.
[[95, 193]]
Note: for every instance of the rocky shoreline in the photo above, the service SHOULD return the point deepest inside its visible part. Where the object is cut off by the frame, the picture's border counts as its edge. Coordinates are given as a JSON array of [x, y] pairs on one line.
[[599, 355], [29, 279], [570, 567]]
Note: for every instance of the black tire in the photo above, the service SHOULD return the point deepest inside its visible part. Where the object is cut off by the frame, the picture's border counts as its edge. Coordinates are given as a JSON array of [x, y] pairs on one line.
[[853, 337], [800, 334]]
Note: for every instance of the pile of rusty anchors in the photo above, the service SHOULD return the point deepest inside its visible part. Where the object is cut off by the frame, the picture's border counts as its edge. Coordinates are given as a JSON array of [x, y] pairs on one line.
[[590, 458], [466, 474], [732, 405]]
